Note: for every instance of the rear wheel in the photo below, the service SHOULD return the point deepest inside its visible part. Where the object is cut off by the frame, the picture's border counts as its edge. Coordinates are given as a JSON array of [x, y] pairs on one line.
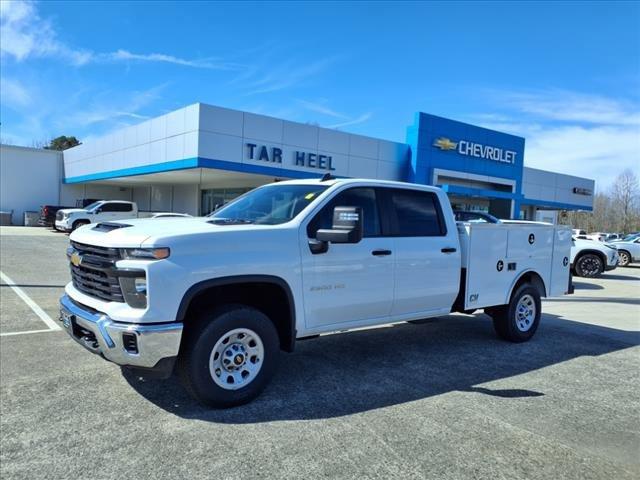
[[624, 258], [589, 265], [229, 356], [519, 320]]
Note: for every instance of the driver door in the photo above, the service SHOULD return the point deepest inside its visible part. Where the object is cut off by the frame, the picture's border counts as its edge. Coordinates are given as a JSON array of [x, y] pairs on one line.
[[349, 283]]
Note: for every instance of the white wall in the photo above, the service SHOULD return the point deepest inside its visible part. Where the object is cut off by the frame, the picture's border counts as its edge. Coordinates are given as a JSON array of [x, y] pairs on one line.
[[556, 187], [217, 133], [186, 199], [29, 178]]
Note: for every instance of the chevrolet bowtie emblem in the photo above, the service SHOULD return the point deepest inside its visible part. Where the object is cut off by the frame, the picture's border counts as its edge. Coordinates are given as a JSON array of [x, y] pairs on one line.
[[445, 144], [76, 259]]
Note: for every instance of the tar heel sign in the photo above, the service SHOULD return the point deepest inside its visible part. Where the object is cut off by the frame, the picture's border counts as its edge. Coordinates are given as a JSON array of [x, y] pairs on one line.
[[295, 157]]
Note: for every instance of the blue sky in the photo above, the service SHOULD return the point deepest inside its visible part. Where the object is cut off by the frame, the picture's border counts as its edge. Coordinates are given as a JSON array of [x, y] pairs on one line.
[[566, 76]]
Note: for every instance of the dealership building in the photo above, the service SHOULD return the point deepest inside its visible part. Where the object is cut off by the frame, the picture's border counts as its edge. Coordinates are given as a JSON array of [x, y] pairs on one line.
[[200, 156]]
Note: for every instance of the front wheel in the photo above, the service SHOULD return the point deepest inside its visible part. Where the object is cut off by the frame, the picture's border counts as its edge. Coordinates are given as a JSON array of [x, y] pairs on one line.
[[519, 320], [624, 258], [229, 357], [589, 266], [79, 223]]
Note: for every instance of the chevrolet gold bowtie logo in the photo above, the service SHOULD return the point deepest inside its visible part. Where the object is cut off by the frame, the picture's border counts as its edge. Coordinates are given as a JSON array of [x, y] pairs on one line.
[[445, 144], [76, 259]]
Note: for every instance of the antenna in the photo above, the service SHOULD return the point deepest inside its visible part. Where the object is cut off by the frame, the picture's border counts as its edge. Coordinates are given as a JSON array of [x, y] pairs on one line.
[[327, 176]]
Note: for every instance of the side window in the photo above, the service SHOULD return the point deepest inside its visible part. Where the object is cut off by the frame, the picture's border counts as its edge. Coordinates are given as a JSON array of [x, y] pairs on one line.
[[109, 207], [417, 214], [354, 197], [125, 207]]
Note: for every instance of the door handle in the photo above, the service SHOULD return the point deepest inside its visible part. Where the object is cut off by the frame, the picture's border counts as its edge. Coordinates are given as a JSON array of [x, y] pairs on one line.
[[381, 253], [448, 250]]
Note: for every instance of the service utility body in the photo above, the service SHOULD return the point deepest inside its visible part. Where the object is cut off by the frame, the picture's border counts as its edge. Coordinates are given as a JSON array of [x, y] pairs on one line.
[[216, 298]]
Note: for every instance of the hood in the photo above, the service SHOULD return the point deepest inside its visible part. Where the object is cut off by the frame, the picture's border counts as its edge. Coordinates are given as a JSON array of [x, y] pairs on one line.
[[135, 232], [73, 210]]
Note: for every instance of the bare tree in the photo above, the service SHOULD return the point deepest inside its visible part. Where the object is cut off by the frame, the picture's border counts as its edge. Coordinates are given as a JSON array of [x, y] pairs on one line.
[[624, 193]]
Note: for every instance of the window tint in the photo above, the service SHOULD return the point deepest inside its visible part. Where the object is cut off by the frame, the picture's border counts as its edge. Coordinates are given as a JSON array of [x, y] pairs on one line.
[[354, 197], [417, 214], [116, 207]]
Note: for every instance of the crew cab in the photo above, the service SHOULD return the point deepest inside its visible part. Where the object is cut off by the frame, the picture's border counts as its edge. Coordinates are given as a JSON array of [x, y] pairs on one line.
[[68, 219], [218, 297], [589, 258]]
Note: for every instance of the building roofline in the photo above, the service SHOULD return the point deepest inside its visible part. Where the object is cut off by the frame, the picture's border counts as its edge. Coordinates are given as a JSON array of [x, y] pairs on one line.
[[32, 149]]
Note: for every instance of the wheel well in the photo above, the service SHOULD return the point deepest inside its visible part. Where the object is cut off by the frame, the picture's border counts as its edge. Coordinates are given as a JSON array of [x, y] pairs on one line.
[[602, 256], [80, 221], [625, 251], [271, 298], [534, 279]]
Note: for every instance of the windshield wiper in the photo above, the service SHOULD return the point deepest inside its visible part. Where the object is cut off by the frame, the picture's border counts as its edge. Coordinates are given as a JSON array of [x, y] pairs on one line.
[[230, 221]]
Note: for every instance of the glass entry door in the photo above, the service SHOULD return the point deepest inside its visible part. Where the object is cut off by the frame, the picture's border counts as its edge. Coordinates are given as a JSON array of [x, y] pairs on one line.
[[213, 198]]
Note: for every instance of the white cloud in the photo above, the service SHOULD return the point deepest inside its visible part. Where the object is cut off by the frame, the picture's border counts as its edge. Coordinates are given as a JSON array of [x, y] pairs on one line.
[[569, 132], [321, 108], [568, 106], [14, 94], [24, 34], [361, 119], [214, 64], [287, 75]]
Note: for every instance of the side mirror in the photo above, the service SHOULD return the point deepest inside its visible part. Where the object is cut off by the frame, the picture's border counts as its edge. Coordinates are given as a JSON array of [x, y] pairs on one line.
[[347, 226]]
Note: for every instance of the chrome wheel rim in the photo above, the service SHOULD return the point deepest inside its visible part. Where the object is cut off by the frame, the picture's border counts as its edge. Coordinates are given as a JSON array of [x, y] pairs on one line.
[[623, 259], [590, 266], [525, 313], [236, 359]]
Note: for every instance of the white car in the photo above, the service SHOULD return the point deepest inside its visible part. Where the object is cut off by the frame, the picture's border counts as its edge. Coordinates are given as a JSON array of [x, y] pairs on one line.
[[589, 258], [629, 251], [220, 296]]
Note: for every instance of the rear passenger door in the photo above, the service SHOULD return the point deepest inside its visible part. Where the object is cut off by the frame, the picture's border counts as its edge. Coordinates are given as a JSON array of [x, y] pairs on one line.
[[426, 254]]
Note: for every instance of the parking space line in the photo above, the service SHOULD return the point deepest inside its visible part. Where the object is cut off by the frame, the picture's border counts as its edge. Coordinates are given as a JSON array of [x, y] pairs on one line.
[[32, 305], [8, 334]]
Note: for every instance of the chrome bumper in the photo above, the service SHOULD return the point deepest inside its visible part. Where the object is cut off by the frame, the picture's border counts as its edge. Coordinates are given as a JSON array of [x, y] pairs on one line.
[[103, 336]]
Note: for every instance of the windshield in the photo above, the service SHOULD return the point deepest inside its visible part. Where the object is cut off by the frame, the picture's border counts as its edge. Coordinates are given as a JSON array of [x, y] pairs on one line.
[[631, 237], [270, 205], [93, 205]]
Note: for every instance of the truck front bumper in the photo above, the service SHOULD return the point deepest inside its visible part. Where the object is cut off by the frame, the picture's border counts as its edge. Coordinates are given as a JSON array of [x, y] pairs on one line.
[[149, 347], [62, 225]]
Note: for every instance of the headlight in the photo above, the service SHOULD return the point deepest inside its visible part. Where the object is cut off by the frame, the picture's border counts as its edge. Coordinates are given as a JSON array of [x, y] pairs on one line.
[[144, 253]]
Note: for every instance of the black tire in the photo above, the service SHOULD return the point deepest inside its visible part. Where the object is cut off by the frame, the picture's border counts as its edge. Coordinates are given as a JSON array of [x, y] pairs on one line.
[[197, 353], [506, 322], [589, 265], [79, 223], [624, 258]]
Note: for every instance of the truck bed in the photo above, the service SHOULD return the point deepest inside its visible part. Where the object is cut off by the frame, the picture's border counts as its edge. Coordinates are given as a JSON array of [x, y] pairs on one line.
[[495, 256]]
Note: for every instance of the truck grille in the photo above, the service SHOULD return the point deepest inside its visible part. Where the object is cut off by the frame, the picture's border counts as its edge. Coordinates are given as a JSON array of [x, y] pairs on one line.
[[59, 215], [94, 276]]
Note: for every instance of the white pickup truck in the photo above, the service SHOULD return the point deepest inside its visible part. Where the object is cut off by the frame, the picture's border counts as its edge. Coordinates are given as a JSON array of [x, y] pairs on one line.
[[220, 296], [68, 219]]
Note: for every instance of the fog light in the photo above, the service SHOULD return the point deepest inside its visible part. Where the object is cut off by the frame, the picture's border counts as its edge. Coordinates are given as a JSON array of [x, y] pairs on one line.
[[141, 286]]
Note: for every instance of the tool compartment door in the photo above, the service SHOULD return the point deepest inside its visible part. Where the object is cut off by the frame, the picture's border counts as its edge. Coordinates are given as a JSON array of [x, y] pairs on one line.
[[487, 281], [559, 284]]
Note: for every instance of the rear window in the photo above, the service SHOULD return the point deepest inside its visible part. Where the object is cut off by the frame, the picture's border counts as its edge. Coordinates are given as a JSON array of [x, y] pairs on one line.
[[417, 214]]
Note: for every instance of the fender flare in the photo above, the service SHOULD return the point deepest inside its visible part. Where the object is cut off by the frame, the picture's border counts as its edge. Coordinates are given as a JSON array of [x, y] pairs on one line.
[[195, 289], [540, 281]]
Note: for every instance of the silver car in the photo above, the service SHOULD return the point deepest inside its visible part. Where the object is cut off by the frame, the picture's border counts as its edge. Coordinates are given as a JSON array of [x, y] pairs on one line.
[[628, 251]]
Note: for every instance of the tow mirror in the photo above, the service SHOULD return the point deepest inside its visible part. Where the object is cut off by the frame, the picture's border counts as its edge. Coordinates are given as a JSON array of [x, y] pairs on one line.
[[347, 226]]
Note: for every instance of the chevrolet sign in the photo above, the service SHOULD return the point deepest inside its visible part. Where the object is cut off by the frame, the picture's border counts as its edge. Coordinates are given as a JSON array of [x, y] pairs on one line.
[[472, 149]]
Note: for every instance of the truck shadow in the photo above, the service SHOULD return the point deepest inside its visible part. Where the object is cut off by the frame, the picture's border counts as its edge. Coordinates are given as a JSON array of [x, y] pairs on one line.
[[338, 375]]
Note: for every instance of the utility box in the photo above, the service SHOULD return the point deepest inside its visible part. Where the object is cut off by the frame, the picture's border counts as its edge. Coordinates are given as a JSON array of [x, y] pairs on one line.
[[31, 219], [5, 218]]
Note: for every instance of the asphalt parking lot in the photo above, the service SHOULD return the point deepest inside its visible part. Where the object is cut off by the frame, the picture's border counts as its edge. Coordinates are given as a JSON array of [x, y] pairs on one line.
[[445, 399]]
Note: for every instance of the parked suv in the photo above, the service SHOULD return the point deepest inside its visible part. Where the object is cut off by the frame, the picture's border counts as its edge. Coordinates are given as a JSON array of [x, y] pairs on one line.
[[589, 258], [629, 251]]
